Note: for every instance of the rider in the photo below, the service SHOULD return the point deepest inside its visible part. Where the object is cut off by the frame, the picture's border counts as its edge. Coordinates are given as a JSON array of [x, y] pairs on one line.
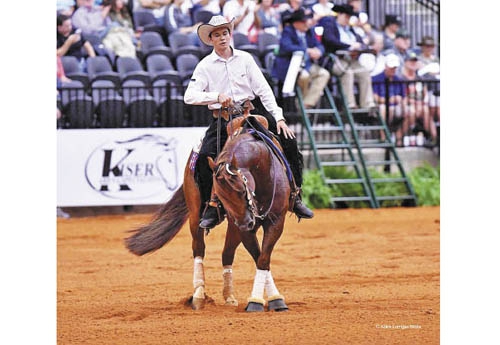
[[224, 78]]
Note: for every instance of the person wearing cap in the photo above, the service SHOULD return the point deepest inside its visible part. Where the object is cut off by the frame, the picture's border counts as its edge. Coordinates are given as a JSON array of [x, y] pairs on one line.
[[226, 77], [298, 36], [401, 48], [391, 26], [339, 36], [397, 97]]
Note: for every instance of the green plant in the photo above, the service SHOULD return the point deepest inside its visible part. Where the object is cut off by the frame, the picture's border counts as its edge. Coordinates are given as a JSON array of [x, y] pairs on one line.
[[424, 179], [314, 191], [426, 183]]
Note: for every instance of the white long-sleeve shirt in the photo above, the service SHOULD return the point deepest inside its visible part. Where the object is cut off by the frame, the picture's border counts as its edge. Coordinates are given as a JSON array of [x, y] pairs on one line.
[[238, 77]]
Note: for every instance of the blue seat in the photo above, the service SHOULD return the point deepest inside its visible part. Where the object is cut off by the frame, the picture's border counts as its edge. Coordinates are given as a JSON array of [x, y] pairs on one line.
[[73, 71], [141, 106], [152, 44], [131, 68], [183, 44], [99, 68], [109, 104], [186, 63]]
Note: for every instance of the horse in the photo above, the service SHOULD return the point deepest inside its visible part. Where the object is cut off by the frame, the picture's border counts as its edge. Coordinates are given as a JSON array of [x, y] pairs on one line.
[[252, 183]]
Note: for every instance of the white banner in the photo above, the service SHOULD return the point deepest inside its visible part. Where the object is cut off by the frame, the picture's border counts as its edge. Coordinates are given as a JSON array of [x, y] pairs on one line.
[[126, 166]]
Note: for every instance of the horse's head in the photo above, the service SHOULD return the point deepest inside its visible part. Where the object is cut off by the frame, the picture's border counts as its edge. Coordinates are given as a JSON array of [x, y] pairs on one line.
[[235, 187]]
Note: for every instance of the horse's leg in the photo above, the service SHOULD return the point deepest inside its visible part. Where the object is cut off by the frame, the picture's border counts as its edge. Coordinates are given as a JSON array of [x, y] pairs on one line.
[[192, 196], [256, 301], [263, 281], [233, 239]]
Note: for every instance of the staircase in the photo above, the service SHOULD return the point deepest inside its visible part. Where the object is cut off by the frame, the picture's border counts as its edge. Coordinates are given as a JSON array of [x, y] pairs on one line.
[[341, 144]]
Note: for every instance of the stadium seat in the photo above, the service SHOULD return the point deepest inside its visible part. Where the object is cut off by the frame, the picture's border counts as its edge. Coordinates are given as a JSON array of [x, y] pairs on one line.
[[267, 42], [152, 44], [72, 70], [141, 106], [131, 68], [99, 68], [182, 44], [109, 105], [186, 64]]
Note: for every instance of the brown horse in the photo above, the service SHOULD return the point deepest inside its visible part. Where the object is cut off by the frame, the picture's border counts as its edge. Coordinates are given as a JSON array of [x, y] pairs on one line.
[[252, 184]]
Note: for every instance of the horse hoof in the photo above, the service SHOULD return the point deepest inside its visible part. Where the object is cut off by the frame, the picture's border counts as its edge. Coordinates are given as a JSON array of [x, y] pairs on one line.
[[277, 305], [231, 301], [254, 306], [197, 303]]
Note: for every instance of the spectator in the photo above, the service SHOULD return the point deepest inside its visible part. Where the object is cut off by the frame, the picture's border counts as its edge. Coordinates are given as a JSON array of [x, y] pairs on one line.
[[92, 20], [417, 100], [298, 36], [69, 42], [158, 8], [377, 45], [177, 20], [269, 17], [430, 71], [401, 48], [391, 26], [245, 19], [120, 37], [396, 98], [339, 36]]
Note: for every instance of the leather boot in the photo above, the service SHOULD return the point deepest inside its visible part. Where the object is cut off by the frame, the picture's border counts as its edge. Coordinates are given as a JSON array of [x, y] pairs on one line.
[[212, 216], [301, 210]]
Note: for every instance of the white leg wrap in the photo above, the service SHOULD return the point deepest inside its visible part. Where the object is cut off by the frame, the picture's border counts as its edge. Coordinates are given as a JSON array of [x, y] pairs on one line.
[[198, 272], [227, 275], [271, 289], [258, 285]]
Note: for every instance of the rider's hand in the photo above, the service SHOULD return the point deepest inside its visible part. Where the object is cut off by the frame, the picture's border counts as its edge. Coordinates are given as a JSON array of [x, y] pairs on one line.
[[225, 100], [287, 132]]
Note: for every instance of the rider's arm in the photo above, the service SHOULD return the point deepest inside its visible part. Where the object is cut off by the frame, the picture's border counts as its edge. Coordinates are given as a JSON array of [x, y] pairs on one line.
[[196, 92]]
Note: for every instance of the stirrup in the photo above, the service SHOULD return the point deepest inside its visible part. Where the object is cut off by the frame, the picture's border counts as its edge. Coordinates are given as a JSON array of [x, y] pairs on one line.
[[206, 223]]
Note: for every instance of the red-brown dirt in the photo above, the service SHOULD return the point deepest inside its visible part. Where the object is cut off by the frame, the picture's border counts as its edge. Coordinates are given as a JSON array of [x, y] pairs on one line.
[[355, 276]]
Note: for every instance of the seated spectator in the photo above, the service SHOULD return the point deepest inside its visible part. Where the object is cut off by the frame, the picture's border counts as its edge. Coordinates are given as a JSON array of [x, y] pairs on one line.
[[69, 42], [297, 35], [91, 19], [245, 19], [339, 36], [396, 119], [430, 71], [377, 45], [121, 37], [269, 17], [158, 8], [391, 26], [177, 20], [402, 44], [417, 100]]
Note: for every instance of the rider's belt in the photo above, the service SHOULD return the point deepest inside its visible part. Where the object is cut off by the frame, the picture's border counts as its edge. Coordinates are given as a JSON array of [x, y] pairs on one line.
[[224, 113]]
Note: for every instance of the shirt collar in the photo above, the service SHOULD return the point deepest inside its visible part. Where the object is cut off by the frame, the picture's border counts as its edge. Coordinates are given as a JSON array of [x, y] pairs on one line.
[[214, 57]]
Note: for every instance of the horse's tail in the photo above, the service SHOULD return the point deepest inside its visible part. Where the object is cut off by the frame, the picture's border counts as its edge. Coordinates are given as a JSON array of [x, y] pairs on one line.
[[165, 224]]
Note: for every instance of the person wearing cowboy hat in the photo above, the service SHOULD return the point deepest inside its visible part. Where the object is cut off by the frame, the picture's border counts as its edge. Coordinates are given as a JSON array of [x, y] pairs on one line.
[[298, 36], [338, 36], [226, 77]]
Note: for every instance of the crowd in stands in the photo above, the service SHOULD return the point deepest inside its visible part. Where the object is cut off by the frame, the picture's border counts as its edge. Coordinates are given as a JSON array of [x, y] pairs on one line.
[[337, 40]]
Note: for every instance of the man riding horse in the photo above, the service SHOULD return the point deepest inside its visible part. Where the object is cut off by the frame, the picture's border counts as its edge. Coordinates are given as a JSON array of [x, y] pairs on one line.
[[223, 79]]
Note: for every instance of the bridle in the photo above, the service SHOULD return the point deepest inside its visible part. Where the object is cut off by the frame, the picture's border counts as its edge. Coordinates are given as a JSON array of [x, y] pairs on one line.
[[250, 194]]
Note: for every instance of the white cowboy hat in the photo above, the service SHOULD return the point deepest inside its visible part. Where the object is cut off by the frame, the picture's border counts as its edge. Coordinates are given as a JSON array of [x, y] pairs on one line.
[[216, 22]]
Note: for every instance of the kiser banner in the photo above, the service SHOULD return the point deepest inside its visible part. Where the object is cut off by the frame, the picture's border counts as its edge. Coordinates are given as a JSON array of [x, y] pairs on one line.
[[136, 166]]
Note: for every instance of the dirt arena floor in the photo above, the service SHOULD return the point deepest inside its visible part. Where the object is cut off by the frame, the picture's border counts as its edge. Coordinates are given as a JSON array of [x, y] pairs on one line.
[[348, 276]]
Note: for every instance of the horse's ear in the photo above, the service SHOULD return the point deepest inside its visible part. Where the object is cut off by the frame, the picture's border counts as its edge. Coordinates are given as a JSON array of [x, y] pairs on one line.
[[211, 163]]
